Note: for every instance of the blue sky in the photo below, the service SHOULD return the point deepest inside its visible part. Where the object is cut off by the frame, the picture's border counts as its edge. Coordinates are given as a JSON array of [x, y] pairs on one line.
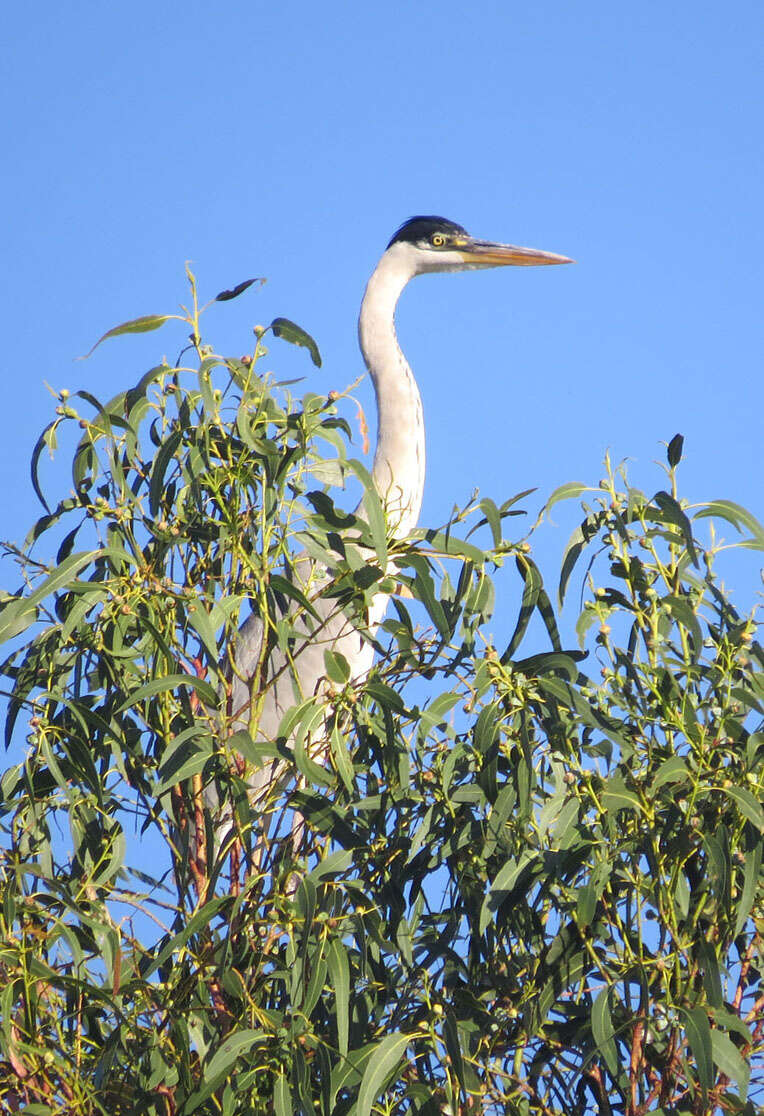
[[289, 140]]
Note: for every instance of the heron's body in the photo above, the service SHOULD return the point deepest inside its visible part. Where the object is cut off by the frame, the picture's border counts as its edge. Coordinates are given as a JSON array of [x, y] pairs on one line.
[[423, 244]]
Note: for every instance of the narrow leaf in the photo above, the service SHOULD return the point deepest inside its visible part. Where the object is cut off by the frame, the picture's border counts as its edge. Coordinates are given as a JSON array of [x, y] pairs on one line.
[[699, 1038], [336, 666], [234, 292], [672, 770], [296, 335], [374, 511], [674, 450], [160, 685], [453, 1047], [137, 325], [339, 974], [342, 762], [491, 513], [575, 548], [683, 613], [602, 1029], [567, 491], [673, 513], [40, 445], [738, 516], [505, 881], [448, 544], [617, 797], [751, 875], [282, 1101], [201, 622], [730, 1061], [749, 805], [229, 1050], [161, 461], [380, 1068], [184, 762], [533, 584]]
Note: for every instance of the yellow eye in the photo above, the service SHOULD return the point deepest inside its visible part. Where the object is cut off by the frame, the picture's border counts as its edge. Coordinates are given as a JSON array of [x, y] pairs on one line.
[[437, 240]]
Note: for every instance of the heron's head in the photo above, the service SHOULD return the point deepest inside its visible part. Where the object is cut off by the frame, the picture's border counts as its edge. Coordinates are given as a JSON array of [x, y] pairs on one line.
[[436, 244]]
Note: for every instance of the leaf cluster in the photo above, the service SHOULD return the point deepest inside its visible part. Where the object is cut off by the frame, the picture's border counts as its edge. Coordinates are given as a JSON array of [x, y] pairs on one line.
[[480, 877]]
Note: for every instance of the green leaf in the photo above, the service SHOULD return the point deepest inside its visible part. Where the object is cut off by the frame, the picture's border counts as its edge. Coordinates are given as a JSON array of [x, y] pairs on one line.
[[547, 662], [136, 325], [184, 761], [730, 1061], [296, 335], [339, 974], [672, 770], [349, 1070], [386, 696], [303, 721], [20, 613], [164, 455], [567, 971], [674, 450], [603, 1031], [575, 548], [682, 612], [436, 711], [206, 692], [504, 883], [281, 584], [533, 585], [567, 491], [222, 1060], [751, 875], [731, 1022], [709, 968], [699, 1038], [375, 512], [450, 545], [381, 1067], [282, 1100], [234, 292], [749, 805], [500, 811], [424, 591], [493, 518], [135, 394], [672, 513], [44, 440], [201, 621], [584, 622], [734, 514], [453, 1047], [550, 623], [682, 895], [333, 864], [616, 796], [590, 893], [258, 753], [305, 899], [342, 760], [336, 666], [565, 824]]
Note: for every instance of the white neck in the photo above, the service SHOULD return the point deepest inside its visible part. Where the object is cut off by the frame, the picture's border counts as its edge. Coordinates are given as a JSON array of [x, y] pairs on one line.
[[399, 459]]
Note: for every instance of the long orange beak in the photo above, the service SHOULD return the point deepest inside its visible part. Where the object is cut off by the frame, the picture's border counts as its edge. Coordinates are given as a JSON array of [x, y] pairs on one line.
[[486, 253]]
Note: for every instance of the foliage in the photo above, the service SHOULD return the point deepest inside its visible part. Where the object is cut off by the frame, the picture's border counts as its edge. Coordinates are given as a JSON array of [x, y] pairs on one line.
[[484, 879]]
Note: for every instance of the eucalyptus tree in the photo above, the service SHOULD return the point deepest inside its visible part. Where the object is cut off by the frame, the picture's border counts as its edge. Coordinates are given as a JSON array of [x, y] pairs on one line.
[[527, 879]]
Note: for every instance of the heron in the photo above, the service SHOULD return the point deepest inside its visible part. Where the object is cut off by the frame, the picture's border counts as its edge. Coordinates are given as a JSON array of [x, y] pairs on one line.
[[422, 245]]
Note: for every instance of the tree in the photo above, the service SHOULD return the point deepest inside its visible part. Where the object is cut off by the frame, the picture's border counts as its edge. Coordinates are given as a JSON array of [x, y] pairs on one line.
[[523, 881]]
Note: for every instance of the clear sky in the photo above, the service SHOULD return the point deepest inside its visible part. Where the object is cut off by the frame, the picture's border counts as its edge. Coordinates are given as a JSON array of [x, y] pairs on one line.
[[289, 139]]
